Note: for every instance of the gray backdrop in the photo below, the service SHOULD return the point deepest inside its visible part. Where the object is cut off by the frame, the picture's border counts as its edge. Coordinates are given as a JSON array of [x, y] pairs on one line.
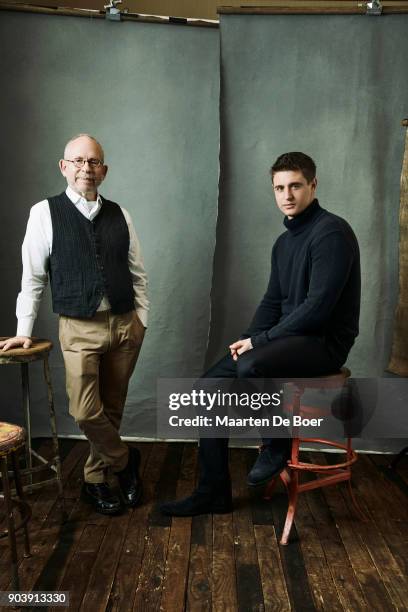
[[150, 93], [332, 86]]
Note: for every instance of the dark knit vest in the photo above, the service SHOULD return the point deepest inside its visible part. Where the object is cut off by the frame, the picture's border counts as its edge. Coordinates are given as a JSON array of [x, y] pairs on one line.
[[89, 259]]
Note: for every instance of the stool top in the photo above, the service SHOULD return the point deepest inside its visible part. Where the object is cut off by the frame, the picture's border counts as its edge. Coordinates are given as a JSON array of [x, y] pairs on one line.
[[39, 348], [328, 381], [11, 437]]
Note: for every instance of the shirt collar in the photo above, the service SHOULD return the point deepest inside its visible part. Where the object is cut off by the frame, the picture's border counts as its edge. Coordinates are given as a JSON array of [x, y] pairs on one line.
[[300, 222], [76, 198]]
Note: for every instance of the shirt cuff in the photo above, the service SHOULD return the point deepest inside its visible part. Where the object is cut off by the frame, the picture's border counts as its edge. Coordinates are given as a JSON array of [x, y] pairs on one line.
[[25, 326]]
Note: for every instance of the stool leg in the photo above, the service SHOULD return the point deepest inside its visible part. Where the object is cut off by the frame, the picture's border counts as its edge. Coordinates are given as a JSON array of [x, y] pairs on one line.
[[10, 524], [20, 493], [290, 478], [269, 489], [285, 477], [25, 381], [293, 497], [53, 423]]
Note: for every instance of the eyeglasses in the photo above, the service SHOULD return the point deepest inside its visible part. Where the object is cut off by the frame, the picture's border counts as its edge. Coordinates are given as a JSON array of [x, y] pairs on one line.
[[79, 162]]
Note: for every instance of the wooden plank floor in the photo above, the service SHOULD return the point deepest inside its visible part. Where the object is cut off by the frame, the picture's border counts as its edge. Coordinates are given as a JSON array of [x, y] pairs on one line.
[[144, 561]]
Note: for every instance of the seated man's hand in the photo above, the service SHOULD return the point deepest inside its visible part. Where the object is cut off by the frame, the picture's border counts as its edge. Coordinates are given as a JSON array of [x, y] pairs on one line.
[[16, 342], [239, 347]]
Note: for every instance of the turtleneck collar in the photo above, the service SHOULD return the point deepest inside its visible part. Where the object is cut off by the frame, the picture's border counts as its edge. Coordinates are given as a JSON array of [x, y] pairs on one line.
[[299, 223]]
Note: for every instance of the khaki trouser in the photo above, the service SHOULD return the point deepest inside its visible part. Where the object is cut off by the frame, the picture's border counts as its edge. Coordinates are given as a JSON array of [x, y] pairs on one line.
[[100, 355]]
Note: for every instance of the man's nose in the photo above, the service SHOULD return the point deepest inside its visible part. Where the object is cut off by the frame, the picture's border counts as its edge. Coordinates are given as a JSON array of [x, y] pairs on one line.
[[288, 193]]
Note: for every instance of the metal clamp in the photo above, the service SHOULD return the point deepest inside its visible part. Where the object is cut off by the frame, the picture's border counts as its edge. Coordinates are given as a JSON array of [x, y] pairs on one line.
[[112, 12], [374, 7]]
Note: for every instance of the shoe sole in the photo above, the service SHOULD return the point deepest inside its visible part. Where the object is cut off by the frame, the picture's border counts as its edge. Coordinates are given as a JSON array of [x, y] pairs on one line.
[[88, 499]]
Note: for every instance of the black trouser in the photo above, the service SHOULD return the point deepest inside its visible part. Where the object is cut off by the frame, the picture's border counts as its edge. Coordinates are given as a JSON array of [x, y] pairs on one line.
[[292, 356]]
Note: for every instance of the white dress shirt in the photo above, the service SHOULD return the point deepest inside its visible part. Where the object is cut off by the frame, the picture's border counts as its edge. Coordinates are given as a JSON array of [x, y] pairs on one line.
[[36, 250]]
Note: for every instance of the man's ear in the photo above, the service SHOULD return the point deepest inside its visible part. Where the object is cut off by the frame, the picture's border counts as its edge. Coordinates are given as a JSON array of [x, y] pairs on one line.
[[62, 165]]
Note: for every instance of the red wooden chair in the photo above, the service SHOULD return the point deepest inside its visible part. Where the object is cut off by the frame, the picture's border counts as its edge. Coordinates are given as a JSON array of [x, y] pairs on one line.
[[325, 474]]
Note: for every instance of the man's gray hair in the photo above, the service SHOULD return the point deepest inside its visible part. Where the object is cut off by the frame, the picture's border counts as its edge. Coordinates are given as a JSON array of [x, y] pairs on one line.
[[80, 136]]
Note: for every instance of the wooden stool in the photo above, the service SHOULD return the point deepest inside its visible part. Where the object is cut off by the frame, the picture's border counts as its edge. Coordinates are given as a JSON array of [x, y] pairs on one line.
[[38, 351], [325, 474], [12, 439]]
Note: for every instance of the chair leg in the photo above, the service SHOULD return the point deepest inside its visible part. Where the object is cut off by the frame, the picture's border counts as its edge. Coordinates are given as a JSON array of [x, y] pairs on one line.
[[25, 381], [10, 524], [20, 493], [285, 477], [293, 497], [53, 423], [269, 489]]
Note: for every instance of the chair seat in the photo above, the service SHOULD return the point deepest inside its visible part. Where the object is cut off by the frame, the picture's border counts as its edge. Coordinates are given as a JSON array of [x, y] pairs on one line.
[[328, 381], [39, 348], [12, 437]]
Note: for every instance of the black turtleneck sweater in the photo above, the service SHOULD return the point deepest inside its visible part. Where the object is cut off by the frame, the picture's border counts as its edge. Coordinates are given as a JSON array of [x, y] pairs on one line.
[[314, 287]]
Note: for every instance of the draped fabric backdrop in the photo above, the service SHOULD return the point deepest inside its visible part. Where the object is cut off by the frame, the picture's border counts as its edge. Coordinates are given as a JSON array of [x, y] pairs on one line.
[[333, 86], [150, 93], [399, 356]]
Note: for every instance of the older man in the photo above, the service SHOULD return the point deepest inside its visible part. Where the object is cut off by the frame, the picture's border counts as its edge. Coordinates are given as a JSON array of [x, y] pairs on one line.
[[90, 250]]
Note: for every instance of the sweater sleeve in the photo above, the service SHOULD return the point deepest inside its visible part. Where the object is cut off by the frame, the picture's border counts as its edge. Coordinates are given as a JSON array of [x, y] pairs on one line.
[[269, 310], [36, 249], [331, 261]]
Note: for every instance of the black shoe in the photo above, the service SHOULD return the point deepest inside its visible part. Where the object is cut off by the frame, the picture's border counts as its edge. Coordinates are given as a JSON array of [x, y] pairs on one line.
[[269, 464], [129, 479], [101, 498], [198, 503]]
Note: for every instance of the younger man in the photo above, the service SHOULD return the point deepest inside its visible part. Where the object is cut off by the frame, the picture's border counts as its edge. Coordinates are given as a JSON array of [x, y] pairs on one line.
[[304, 326]]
